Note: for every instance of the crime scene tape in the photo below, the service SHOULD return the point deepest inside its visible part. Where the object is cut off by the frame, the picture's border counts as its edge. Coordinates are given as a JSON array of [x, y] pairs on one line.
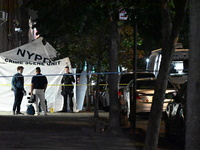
[[65, 84], [96, 73], [77, 84]]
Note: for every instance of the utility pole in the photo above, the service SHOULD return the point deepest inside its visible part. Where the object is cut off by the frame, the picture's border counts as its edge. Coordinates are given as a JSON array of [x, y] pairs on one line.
[[133, 88]]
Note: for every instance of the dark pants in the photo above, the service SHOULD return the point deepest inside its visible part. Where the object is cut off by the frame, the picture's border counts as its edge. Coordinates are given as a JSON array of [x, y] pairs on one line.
[[70, 95], [18, 99]]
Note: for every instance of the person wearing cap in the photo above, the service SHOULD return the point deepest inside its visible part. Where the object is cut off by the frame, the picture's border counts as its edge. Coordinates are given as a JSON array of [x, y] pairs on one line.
[[38, 87], [67, 90], [18, 89]]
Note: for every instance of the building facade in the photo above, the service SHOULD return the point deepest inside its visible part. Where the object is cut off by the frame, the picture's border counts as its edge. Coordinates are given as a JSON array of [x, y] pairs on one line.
[[14, 24]]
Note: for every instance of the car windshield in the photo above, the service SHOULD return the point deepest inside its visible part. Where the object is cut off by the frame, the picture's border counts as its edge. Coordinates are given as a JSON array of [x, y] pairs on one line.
[[126, 78], [150, 84]]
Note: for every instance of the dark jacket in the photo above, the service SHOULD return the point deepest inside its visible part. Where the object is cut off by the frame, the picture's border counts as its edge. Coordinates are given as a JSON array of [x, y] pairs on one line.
[[18, 81], [39, 81], [67, 81]]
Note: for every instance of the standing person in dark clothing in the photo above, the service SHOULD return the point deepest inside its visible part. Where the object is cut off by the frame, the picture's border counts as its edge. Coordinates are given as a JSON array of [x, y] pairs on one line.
[[18, 88], [67, 90], [38, 87]]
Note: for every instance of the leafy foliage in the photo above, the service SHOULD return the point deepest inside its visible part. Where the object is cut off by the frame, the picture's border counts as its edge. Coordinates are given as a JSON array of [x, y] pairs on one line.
[[80, 29], [77, 29], [126, 47]]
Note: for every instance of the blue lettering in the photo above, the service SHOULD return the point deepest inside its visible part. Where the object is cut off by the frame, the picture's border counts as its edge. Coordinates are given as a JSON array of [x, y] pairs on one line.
[[38, 57], [29, 55], [20, 52]]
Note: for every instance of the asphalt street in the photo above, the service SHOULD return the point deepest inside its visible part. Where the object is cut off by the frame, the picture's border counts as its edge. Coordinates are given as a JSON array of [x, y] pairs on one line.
[[60, 131], [72, 131]]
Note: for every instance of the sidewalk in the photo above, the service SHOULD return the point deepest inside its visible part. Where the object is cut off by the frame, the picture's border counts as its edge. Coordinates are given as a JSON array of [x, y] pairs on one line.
[[60, 131]]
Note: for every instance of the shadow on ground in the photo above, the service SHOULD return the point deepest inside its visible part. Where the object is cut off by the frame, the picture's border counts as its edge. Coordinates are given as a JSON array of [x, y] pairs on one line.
[[58, 131]]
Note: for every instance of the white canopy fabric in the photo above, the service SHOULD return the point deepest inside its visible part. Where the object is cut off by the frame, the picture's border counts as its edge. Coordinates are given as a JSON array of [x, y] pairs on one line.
[[30, 56], [37, 51]]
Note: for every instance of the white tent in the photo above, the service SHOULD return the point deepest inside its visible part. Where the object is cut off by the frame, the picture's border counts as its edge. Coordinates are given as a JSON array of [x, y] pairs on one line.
[[35, 54]]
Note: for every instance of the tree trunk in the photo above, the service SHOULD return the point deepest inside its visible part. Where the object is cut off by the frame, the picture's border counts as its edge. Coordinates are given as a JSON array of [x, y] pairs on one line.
[[114, 115], [88, 88], [170, 38], [193, 90], [96, 106]]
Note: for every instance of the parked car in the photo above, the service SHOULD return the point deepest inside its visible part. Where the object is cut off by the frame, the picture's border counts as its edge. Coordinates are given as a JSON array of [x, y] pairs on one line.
[[124, 79], [175, 115], [145, 92]]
